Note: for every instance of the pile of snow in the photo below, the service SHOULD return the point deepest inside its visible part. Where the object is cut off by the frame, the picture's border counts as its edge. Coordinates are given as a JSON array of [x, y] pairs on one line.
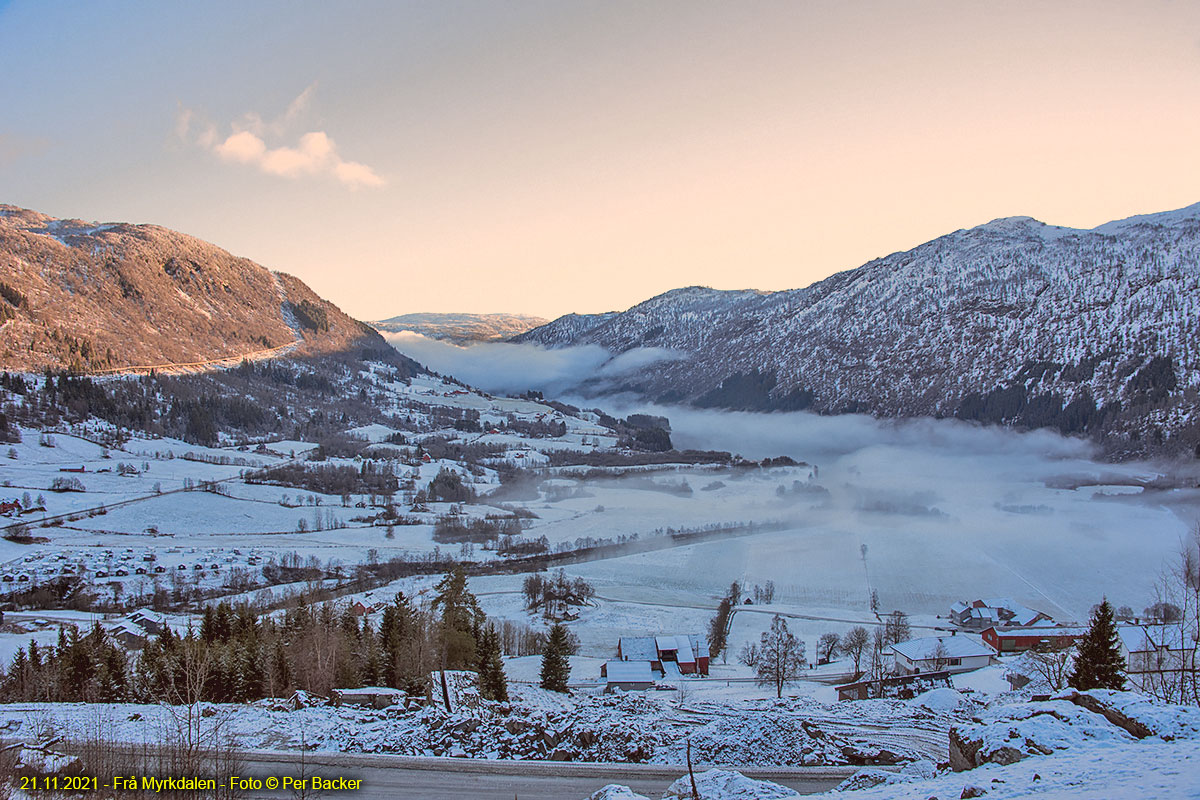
[[1160, 719], [1004, 734], [43, 761], [615, 791], [1149, 769], [722, 784], [943, 699], [776, 738]]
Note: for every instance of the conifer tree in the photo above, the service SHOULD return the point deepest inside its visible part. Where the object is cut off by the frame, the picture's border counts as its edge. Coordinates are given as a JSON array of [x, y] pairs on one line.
[[556, 667], [281, 670], [461, 617], [1098, 664], [493, 684]]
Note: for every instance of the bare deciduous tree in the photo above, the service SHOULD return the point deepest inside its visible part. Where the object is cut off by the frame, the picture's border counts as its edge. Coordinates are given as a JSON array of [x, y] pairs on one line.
[[1051, 662], [780, 656], [854, 644]]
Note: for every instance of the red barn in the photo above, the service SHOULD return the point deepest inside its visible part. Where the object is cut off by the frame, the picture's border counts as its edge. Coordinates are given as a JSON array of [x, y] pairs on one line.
[[1020, 639]]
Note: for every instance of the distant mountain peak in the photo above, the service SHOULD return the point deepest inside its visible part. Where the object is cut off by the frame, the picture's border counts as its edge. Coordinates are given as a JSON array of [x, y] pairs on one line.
[[461, 328], [1013, 320]]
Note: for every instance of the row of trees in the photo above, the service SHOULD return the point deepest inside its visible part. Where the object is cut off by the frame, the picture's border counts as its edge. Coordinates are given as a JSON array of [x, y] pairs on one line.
[[237, 655]]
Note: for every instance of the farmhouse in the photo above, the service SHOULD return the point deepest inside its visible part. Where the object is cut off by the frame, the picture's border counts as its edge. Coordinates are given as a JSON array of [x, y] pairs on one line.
[[1156, 656], [667, 655], [1014, 639], [941, 653], [628, 676], [982, 614]]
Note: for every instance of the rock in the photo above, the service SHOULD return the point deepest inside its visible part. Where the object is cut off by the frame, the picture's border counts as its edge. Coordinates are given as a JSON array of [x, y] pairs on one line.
[[869, 778], [585, 738], [964, 750], [561, 754], [468, 725], [515, 726], [720, 784], [1005, 756], [972, 791], [1132, 726]]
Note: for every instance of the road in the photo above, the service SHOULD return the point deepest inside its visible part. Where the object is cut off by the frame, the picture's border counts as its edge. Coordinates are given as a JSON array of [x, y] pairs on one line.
[[192, 366], [388, 777]]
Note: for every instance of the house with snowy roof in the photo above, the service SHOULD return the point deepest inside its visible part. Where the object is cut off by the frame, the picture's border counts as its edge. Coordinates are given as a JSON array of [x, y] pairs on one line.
[[982, 614], [668, 655], [628, 676], [1155, 655], [941, 654]]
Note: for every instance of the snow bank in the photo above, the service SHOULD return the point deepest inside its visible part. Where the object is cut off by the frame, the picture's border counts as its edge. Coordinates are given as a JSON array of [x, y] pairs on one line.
[[721, 784], [615, 791], [942, 699], [1004, 734]]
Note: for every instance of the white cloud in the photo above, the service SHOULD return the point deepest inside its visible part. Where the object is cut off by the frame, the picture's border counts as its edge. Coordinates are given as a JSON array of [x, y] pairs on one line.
[[243, 147], [313, 154]]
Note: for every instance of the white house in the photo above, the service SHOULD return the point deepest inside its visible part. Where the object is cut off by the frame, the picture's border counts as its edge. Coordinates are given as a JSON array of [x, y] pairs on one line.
[[1155, 655], [941, 653], [628, 676]]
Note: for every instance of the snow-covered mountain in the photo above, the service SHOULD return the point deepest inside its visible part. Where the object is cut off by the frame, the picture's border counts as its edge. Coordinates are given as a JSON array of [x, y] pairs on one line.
[[461, 328], [95, 297], [1014, 321]]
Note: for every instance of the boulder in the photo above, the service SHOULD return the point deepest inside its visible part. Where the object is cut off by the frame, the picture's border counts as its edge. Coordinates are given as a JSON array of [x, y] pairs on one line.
[[964, 750], [1134, 727], [871, 777]]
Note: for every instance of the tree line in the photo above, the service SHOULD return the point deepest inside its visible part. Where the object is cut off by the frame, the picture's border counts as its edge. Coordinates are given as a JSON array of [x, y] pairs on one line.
[[237, 655]]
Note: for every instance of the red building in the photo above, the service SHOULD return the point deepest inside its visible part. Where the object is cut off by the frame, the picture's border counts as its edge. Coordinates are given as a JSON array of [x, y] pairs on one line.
[[1019, 639], [685, 653]]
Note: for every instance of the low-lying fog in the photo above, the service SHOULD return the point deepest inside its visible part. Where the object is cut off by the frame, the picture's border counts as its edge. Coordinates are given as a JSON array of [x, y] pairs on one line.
[[946, 510]]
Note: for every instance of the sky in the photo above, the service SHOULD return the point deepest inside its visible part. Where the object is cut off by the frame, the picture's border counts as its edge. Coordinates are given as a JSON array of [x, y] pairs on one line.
[[554, 157]]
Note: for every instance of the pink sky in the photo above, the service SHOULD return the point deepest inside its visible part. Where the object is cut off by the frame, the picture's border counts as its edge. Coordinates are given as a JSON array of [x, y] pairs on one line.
[[550, 157]]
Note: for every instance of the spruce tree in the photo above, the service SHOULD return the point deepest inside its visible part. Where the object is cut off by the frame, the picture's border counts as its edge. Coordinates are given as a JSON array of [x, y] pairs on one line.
[[460, 621], [493, 684], [281, 670], [556, 668], [1098, 663]]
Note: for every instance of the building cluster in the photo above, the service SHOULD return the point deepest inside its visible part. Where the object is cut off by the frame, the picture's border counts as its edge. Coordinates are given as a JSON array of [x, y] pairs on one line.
[[994, 627], [641, 660]]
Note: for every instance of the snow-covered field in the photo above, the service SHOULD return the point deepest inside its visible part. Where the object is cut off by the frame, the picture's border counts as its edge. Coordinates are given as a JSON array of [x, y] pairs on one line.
[[922, 516]]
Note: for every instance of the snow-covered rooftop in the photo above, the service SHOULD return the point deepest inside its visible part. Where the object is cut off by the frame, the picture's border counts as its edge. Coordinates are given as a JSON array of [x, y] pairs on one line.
[[954, 647], [638, 648], [629, 672]]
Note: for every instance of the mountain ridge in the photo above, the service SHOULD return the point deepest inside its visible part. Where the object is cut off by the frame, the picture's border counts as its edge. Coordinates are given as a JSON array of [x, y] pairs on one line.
[[461, 328], [944, 329], [114, 297]]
